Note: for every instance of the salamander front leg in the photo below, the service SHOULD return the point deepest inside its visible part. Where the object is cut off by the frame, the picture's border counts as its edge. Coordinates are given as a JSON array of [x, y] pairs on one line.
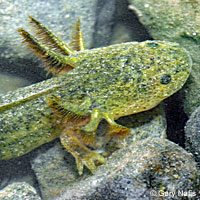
[[114, 129]]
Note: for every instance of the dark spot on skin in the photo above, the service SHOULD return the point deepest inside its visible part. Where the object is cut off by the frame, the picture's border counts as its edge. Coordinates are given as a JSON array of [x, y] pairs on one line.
[[128, 79], [152, 61], [150, 79], [142, 86], [165, 79], [94, 105], [138, 80], [83, 91], [139, 72], [42, 114], [152, 44], [15, 127], [27, 127], [79, 87], [72, 90], [178, 69], [20, 120], [128, 60], [118, 71]]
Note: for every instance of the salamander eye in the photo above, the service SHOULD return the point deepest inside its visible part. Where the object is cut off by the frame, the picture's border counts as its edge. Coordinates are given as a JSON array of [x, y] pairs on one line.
[[165, 79]]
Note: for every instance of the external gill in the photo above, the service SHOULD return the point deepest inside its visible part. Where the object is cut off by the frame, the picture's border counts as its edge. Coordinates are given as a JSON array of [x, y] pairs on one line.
[[77, 42], [48, 38], [56, 60], [56, 63]]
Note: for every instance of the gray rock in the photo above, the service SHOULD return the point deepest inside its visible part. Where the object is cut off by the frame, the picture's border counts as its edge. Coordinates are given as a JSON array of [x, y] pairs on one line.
[[19, 191], [127, 26], [176, 21], [17, 170], [9, 83], [54, 170], [192, 134], [143, 170], [151, 123], [59, 17], [104, 22]]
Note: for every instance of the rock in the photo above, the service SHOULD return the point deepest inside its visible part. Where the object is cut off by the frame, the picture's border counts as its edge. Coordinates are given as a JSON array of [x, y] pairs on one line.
[[59, 17], [176, 21], [19, 191], [17, 170], [143, 170], [54, 170], [151, 123], [9, 83], [121, 33], [192, 136], [127, 26], [104, 22]]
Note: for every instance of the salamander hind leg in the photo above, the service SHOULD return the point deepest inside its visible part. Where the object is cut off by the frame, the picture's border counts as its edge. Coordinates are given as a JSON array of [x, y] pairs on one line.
[[73, 138]]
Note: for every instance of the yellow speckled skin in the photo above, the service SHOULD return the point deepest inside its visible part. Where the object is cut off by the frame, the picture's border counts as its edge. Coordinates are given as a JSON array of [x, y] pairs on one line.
[[107, 83]]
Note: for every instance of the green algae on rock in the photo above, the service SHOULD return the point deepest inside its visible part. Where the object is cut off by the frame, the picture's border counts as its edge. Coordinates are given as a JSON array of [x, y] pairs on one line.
[[103, 83]]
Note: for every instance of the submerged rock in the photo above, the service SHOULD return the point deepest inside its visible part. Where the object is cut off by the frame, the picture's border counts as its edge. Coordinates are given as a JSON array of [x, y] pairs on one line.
[[55, 169], [143, 170], [19, 191], [192, 134], [9, 83], [59, 17]]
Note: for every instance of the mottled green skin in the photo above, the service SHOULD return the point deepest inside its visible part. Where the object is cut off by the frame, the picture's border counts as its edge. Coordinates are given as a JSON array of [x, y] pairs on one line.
[[117, 80]]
